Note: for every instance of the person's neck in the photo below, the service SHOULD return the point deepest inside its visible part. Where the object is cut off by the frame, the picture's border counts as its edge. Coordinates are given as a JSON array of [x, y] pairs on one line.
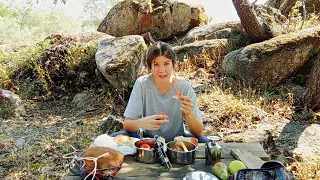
[[164, 87]]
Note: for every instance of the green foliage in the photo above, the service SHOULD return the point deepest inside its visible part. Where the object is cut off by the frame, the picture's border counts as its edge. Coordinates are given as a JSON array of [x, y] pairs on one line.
[[96, 11], [19, 65], [23, 24], [62, 1], [4, 112], [43, 24], [6, 12], [42, 69], [4, 72], [81, 56], [30, 88]]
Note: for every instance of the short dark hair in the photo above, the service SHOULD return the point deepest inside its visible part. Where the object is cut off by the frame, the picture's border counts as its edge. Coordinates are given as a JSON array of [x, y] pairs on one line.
[[160, 49]]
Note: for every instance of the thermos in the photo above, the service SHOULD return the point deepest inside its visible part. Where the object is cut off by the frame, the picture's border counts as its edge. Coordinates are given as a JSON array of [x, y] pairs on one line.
[[212, 150]]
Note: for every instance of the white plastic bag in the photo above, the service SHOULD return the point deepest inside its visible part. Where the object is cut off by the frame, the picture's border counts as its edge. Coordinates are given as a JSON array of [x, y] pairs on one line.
[[105, 140]]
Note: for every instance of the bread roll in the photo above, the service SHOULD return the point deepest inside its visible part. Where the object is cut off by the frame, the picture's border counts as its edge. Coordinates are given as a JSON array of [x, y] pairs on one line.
[[123, 140]]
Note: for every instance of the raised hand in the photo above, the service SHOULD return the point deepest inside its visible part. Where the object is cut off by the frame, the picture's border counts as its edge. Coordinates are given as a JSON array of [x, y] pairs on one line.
[[153, 122], [186, 105]]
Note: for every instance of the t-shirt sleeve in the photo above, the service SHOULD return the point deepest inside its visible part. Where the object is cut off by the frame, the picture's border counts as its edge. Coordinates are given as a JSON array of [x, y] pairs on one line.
[[193, 96], [134, 109]]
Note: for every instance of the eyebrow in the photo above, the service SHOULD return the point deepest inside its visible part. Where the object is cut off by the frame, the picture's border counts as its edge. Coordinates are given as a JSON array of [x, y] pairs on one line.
[[164, 62]]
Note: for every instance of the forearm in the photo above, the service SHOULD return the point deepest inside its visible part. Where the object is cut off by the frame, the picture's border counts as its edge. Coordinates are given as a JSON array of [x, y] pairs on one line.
[[130, 125], [195, 126]]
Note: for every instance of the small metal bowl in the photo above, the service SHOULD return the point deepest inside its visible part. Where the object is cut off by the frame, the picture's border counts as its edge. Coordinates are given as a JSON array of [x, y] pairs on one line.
[[143, 155], [199, 175], [181, 157]]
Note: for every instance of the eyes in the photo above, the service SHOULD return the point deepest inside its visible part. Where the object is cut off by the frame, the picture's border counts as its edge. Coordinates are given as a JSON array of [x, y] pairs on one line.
[[165, 64]]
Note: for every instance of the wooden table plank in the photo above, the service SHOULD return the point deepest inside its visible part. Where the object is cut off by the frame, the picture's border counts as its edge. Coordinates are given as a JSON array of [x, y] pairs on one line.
[[249, 159], [129, 169], [254, 147]]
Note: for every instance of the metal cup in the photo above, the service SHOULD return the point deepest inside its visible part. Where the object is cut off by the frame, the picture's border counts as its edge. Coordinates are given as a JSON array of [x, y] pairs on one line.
[[212, 150]]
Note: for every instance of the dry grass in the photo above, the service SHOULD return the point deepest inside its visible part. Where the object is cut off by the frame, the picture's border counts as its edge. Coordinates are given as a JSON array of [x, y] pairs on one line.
[[238, 108], [305, 170], [41, 157]]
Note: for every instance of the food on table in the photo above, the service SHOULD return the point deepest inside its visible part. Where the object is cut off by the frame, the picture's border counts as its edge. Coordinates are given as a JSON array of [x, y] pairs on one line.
[[123, 140], [150, 142], [187, 139], [221, 170], [182, 145], [177, 96], [194, 141], [235, 166], [176, 148], [145, 146]]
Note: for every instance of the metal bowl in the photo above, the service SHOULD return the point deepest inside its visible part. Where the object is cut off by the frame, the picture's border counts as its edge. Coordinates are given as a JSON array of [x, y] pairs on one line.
[[143, 155], [195, 175], [181, 157]]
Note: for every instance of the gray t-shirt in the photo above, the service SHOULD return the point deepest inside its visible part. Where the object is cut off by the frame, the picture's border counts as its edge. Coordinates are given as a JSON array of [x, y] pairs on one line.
[[146, 100]]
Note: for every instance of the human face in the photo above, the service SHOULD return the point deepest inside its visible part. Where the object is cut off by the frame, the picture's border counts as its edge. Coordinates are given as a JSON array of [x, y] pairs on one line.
[[162, 69]]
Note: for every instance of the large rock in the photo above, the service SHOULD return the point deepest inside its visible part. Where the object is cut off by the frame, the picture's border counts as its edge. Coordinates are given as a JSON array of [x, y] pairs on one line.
[[80, 37], [308, 143], [201, 52], [312, 96], [120, 59], [269, 63], [272, 19], [85, 100], [67, 62], [164, 20], [211, 31], [10, 105], [110, 124], [300, 140]]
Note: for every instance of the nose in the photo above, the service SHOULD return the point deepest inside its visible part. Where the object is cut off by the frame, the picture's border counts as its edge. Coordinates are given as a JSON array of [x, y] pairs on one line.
[[161, 68]]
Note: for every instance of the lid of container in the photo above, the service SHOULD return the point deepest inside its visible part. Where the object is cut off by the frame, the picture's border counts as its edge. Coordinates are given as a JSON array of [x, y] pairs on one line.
[[214, 138], [199, 175]]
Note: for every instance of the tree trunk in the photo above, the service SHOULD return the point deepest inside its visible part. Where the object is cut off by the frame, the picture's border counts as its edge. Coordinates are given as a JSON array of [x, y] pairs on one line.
[[256, 30]]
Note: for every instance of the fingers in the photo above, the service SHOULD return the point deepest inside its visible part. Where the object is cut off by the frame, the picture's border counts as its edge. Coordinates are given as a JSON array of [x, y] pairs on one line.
[[185, 111], [156, 127], [186, 107], [185, 98], [160, 117], [162, 121], [157, 124], [186, 103]]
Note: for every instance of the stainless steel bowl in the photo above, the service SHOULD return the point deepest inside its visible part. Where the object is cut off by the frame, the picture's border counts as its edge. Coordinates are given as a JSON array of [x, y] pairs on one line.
[[148, 156], [181, 157], [195, 175]]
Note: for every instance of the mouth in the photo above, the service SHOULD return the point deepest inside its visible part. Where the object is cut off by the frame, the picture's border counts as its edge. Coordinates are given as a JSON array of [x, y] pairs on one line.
[[162, 76]]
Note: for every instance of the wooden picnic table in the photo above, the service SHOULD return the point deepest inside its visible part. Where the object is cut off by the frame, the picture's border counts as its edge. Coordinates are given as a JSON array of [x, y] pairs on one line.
[[132, 169]]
